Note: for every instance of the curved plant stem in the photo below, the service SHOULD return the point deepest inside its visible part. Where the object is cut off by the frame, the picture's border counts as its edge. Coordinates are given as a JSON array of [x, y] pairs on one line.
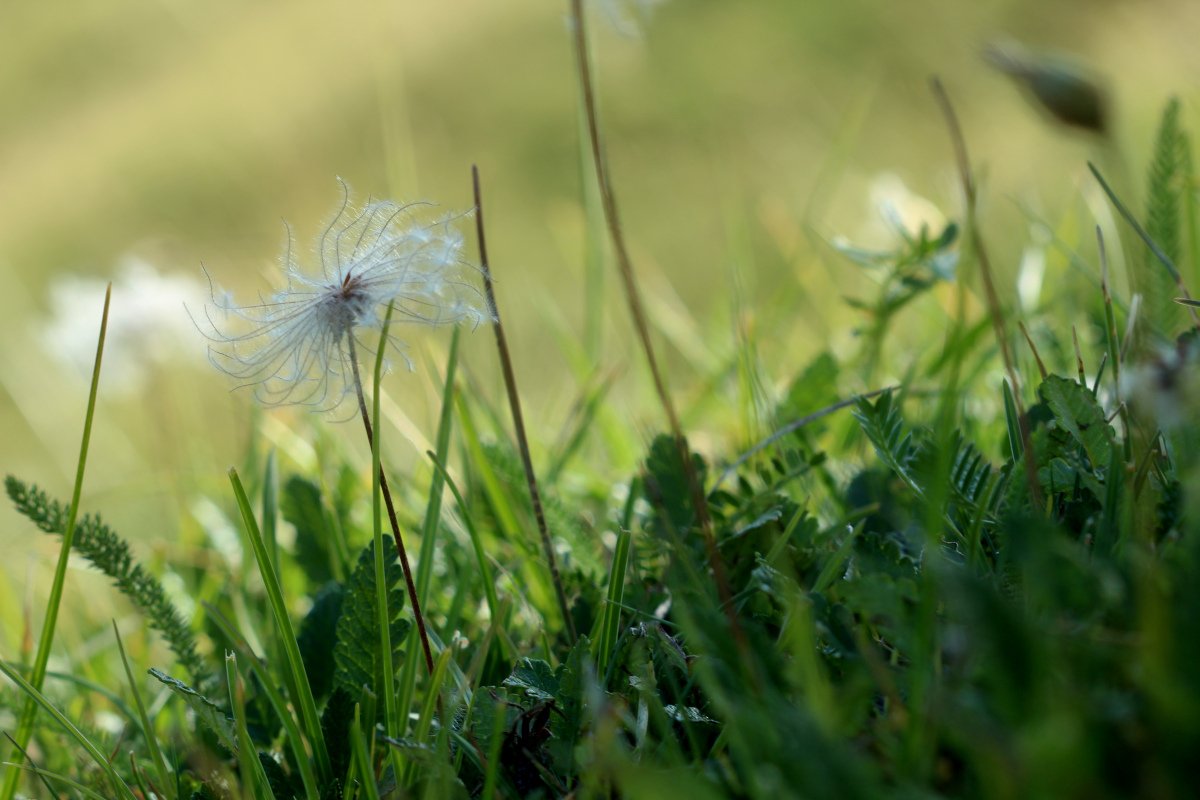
[[637, 311], [409, 583], [514, 403], [989, 285]]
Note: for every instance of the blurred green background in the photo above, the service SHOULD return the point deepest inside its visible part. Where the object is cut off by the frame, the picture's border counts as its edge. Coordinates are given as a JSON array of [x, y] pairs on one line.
[[140, 140]]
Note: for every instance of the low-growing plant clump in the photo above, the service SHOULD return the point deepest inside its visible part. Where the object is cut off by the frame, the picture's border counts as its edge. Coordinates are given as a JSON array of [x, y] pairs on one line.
[[980, 582]]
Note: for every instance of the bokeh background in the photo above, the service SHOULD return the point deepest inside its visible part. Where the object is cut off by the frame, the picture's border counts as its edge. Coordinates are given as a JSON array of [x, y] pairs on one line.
[[141, 140]]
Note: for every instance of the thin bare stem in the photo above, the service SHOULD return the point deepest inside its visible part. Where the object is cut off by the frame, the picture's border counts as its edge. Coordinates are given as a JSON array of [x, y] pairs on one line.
[[1033, 349], [391, 510], [959, 143], [634, 301], [514, 404]]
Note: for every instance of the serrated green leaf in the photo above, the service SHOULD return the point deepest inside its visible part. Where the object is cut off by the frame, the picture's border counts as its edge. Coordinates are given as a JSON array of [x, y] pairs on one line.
[[205, 710], [535, 678], [1076, 411], [667, 485], [357, 653]]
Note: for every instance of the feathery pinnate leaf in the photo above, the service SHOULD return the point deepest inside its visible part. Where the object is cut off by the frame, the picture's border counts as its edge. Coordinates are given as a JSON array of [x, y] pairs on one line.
[[111, 554]]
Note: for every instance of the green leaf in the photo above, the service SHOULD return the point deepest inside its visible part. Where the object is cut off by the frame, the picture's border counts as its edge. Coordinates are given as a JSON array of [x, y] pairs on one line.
[[301, 506], [568, 723], [336, 721], [359, 661], [1167, 179], [535, 678], [205, 710], [894, 443], [667, 485], [318, 633], [1076, 411]]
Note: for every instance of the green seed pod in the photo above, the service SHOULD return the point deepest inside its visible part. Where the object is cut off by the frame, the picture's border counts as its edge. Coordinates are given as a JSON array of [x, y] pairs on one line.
[[1068, 92]]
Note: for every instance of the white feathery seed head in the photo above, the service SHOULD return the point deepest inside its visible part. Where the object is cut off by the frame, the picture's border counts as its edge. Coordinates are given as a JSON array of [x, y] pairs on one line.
[[295, 348]]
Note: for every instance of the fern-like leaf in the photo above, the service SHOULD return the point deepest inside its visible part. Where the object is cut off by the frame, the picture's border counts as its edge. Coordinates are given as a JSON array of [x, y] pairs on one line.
[[884, 426], [1167, 181], [111, 554]]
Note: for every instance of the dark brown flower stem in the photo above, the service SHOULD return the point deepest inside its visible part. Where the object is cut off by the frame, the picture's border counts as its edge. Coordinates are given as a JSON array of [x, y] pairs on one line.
[[641, 326], [391, 510], [959, 142], [514, 403]]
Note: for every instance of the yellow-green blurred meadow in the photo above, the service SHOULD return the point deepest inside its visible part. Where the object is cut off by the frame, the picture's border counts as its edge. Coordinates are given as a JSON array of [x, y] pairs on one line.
[[141, 140]]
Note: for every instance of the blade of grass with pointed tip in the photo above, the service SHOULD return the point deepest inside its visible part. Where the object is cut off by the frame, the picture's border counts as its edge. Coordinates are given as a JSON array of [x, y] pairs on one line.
[[433, 694], [266, 681], [303, 697], [252, 771], [46, 640], [610, 626], [156, 756]]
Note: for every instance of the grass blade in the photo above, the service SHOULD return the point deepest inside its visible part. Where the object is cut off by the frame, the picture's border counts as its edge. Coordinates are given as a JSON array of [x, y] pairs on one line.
[[99, 757], [266, 682], [433, 508], [160, 763], [298, 680], [611, 620], [253, 775], [46, 640]]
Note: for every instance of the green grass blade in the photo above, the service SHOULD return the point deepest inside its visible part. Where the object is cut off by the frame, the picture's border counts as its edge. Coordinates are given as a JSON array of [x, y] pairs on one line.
[[485, 569], [611, 624], [54, 776], [429, 708], [253, 775], [97, 755], [46, 640], [286, 633], [433, 508], [362, 759], [391, 711], [266, 681], [270, 506], [165, 779]]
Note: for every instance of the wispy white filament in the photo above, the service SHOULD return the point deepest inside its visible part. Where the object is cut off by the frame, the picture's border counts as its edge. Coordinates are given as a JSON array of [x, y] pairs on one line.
[[295, 347]]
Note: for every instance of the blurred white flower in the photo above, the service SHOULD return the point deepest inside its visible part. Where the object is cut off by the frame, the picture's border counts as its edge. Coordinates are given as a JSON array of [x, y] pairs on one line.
[[297, 346], [904, 212], [145, 327]]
